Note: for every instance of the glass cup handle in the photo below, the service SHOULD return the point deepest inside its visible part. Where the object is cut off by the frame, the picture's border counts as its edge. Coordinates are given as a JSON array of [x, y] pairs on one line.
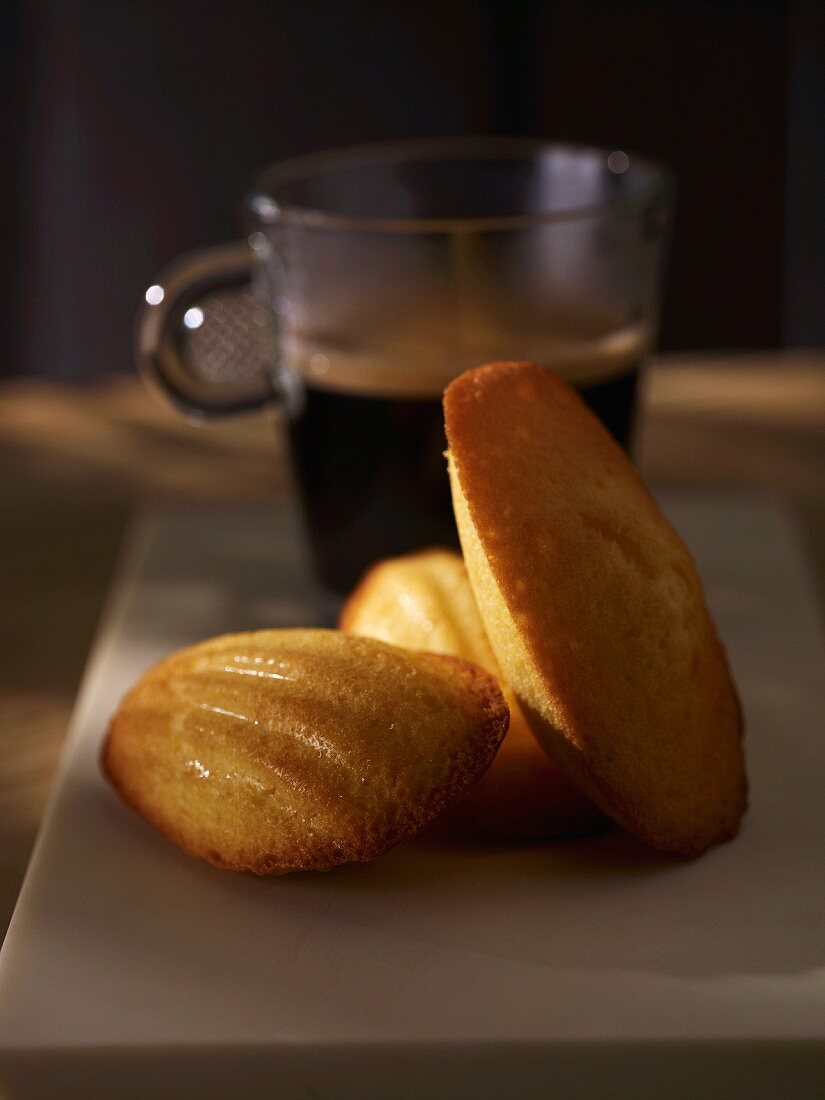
[[206, 332]]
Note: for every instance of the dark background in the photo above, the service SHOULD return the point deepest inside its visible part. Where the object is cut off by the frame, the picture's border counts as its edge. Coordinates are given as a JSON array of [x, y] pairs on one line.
[[132, 126]]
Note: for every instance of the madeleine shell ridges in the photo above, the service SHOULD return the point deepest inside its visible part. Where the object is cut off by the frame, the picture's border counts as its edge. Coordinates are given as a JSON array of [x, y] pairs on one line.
[[285, 750]]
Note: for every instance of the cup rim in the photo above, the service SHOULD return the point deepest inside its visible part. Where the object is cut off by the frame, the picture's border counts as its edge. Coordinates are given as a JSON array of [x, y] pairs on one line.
[[262, 202]]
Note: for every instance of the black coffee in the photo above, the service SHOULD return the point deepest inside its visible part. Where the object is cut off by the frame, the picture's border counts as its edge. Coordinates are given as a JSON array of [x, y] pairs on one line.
[[373, 478]]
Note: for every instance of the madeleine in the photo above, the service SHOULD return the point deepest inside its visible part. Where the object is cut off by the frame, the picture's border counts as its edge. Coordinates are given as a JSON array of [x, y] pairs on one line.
[[423, 600], [594, 609], [287, 750]]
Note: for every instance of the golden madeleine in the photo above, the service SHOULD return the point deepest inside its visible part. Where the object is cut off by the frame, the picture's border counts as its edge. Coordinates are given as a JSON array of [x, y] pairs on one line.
[[594, 609], [286, 750], [423, 600]]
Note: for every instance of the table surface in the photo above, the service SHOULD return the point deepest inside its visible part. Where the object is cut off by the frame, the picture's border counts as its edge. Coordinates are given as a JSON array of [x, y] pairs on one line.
[[75, 462]]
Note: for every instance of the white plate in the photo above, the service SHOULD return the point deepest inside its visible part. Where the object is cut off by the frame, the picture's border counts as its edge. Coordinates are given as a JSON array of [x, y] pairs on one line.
[[588, 969]]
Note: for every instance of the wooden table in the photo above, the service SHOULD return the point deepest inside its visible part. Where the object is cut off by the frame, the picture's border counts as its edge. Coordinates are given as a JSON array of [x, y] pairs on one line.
[[75, 462]]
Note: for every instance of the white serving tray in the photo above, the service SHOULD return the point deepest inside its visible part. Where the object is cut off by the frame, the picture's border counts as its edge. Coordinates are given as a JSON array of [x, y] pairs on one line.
[[582, 969]]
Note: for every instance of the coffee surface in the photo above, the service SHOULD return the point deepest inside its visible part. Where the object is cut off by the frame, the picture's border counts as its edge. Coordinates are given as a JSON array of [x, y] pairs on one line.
[[367, 426], [409, 362]]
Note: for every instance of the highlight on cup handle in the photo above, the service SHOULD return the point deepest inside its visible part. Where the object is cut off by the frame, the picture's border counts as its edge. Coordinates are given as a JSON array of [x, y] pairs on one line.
[[204, 333]]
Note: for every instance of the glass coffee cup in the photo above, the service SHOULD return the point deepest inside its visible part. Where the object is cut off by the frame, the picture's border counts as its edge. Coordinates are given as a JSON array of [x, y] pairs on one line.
[[370, 277]]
